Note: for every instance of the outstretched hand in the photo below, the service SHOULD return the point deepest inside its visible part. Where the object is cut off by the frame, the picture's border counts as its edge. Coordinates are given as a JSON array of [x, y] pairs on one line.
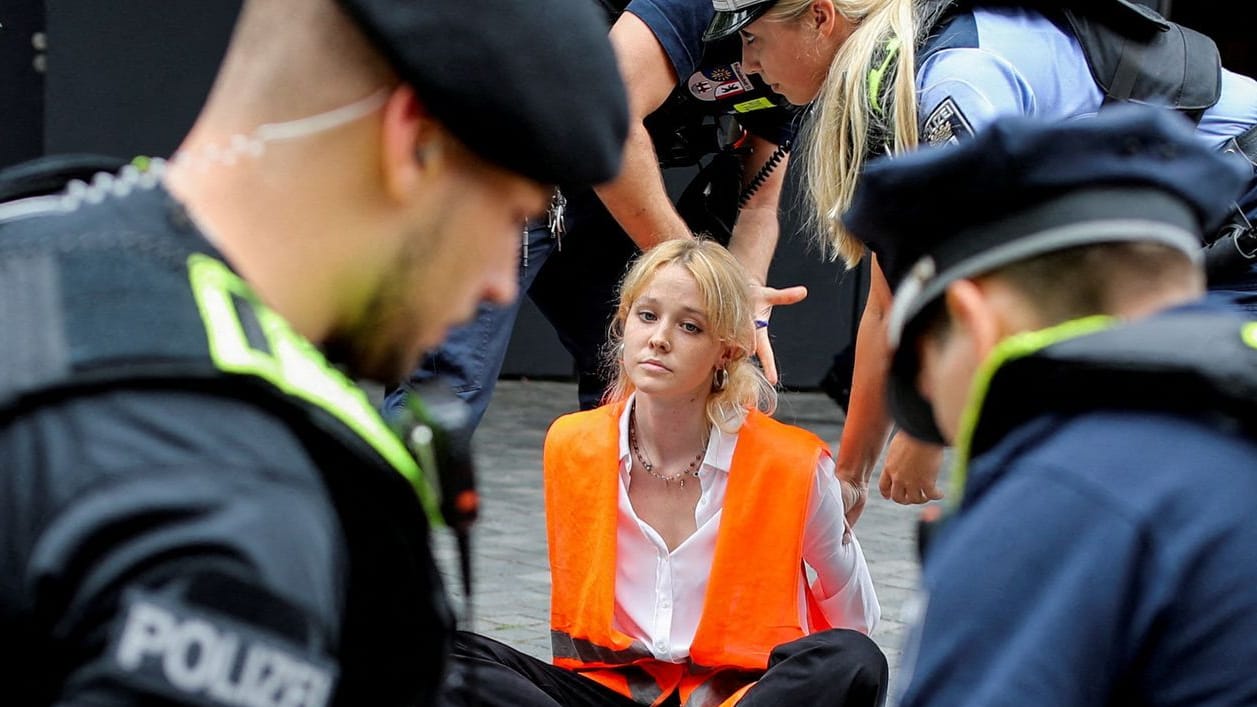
[[765, 299]]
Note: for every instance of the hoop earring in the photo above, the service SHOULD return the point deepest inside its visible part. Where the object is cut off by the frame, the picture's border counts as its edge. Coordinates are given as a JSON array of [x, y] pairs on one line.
[[719, 380]]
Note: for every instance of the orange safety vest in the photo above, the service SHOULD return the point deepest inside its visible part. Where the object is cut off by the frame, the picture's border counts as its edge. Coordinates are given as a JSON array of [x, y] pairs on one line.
[[752, 602]]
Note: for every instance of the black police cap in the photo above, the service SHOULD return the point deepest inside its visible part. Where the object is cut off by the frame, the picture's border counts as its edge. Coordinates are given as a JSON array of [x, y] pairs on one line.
[[732, 15], [530, 86], [1024, 187]]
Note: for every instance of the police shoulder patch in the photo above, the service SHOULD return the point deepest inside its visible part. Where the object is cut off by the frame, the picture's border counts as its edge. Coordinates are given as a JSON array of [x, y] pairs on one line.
[[718, 82], [946, 124], [165, 646]]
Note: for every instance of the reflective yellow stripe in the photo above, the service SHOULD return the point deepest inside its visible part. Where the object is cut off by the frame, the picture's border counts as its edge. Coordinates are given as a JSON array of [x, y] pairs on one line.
[[1010, 349], [1249, 334], [752, 105], [876, 75], [294, 366]]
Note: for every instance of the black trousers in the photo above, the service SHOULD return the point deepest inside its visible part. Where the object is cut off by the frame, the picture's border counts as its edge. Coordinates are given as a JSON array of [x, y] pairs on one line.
[[835, 668]]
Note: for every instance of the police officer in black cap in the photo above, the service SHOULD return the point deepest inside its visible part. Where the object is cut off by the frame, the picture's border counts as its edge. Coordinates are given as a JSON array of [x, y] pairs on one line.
[[1047, 321], [198, 506]]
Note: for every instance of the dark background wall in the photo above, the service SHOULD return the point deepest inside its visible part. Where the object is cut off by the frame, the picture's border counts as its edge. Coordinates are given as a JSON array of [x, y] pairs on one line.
[[21, 80], [127, 77]]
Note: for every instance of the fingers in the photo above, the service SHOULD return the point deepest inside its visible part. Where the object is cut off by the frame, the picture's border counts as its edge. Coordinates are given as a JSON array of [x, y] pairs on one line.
[[772, 296], [912, 494], [853, 498], [765, 299], [886, 484], [764, 351], [853, 514]]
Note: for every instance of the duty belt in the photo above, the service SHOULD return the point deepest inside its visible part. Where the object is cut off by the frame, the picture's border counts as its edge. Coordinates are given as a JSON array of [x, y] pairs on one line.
[[1245, 144], [1238, 230]]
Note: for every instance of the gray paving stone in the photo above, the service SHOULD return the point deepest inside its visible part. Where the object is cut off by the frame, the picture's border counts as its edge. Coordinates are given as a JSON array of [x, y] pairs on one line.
[[509, 545]]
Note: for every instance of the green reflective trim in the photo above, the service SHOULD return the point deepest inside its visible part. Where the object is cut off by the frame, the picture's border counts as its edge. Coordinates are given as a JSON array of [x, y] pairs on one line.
[[295, 367], [876, 75], [1249, 334], [760, 103], [1010, 349]]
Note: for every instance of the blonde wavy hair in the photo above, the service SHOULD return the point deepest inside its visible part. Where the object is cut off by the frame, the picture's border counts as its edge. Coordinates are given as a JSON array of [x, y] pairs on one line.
[[870, 90], [726, 293]]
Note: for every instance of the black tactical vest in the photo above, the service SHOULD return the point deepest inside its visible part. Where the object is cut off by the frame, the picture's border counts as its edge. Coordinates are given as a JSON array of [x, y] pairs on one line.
[[1192, 363], [124, 294], [1134, 54]]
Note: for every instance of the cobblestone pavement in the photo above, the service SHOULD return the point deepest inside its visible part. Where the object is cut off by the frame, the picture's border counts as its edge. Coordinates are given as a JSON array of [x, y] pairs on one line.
[[512, 591]]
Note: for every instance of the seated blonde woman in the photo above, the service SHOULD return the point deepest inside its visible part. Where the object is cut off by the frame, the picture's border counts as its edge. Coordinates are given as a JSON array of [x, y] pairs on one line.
[[697, 546]]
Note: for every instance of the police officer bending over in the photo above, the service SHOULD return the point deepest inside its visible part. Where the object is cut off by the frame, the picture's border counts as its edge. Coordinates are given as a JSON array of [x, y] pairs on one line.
[[1048, 323], [196, 507]]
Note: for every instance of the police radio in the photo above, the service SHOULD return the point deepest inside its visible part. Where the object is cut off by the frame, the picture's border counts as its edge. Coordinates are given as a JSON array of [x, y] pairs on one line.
[[436, 426]]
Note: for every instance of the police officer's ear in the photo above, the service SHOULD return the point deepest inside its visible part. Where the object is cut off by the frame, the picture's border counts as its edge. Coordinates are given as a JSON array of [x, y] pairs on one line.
[[410, 143], [988, 309], [824, 16], [974, 310]]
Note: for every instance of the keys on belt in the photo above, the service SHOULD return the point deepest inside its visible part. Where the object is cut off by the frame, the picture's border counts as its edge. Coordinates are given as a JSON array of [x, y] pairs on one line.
[[555, 221], [556, 216], [1240, 232]]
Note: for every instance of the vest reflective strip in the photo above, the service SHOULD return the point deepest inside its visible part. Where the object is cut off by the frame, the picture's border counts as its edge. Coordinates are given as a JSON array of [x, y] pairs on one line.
[[295, 367], [564, 646], [632, 681], [581, 515], [718, 689], [1010, 349]]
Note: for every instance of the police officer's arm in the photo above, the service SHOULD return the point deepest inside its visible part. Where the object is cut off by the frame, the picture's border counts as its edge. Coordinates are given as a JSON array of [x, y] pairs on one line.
[[637, 198], [868, 420], [171, 559], [754, 240], [962, 90], [756, 230], [184, 596]]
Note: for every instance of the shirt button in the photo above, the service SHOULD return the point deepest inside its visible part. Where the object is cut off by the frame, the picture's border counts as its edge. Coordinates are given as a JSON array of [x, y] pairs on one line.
[[665, 604], [660, 646]]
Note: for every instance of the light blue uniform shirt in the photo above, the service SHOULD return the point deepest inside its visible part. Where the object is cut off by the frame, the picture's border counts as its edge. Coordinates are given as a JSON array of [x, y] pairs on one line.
[[1014, 60]]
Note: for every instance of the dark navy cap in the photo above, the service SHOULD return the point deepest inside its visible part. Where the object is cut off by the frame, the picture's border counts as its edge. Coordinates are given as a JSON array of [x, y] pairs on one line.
[[732, 15], [1024, 187], [530, 86]]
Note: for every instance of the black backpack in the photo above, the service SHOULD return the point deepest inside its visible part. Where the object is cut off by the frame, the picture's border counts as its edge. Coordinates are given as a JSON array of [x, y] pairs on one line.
[[1134, 54]]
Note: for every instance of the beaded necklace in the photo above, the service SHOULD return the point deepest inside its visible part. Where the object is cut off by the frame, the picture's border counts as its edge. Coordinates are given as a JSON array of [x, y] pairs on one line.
[[691, 470]]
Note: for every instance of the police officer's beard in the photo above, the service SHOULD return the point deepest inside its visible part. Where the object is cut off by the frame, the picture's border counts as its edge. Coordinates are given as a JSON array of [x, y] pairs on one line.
[[380, 346]]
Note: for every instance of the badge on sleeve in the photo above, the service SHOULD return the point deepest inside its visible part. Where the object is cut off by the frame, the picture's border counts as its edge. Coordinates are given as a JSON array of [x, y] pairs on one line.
[[946, 125], [172, 648], [718, 82]]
